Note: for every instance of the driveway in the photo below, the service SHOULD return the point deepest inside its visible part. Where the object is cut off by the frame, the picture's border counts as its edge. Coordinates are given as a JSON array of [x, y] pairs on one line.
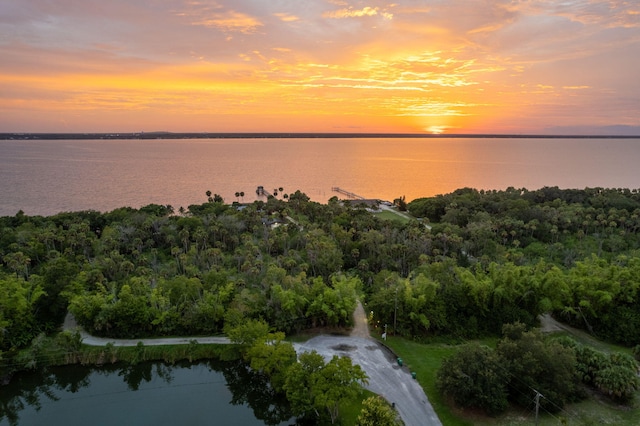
[[386, 377]]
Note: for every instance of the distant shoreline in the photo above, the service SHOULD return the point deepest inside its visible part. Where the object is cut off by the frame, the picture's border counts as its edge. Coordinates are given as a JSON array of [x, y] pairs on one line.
[[284, 135]]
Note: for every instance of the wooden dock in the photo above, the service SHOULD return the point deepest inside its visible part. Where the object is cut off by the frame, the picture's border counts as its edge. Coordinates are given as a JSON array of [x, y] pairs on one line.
[[261, 192], [351, 195]]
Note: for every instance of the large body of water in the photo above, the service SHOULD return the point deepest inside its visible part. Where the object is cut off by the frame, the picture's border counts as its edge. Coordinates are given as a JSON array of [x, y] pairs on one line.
[[47, 177]]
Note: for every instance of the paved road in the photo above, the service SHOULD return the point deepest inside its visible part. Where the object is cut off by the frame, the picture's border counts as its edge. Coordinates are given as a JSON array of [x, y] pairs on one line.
[[386, 377], [87, 339]]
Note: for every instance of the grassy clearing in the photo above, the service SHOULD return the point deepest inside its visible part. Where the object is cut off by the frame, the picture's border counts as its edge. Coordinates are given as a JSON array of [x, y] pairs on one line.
[[349, 412], [586, 339], [593, 411], [426, 359], [393, 216]]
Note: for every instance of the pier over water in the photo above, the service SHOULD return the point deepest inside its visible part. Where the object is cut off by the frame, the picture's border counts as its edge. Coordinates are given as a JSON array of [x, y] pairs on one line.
[[351, 195]]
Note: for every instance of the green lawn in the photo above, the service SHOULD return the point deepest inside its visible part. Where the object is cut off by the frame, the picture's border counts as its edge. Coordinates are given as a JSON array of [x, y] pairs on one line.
[[397, 217], [349, 412], [425, 360]]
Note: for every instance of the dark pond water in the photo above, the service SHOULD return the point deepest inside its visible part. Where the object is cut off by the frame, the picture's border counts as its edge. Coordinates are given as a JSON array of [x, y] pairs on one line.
[[208, 393]]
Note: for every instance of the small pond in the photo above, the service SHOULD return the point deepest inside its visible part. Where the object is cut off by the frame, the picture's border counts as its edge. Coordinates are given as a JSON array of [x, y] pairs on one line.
[[204, 393]]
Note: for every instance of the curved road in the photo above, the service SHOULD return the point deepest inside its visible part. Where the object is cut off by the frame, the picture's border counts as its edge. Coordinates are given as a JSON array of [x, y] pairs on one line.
[[87, 339], [386, 377]]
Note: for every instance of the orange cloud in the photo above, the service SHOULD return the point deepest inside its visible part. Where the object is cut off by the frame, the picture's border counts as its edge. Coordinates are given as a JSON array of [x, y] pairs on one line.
[[611, 14], [354, 13], [217, 16], [230, 21], [285, 17]]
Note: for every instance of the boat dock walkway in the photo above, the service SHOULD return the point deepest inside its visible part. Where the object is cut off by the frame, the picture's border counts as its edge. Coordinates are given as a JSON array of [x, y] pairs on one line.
[[260, 191], [351, 195]]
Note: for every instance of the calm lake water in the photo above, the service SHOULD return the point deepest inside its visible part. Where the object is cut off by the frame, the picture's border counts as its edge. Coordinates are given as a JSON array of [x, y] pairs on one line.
[[211, 393], [47, 177]]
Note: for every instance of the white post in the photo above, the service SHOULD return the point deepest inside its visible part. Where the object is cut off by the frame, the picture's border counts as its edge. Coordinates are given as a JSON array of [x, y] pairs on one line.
[[538, 395]]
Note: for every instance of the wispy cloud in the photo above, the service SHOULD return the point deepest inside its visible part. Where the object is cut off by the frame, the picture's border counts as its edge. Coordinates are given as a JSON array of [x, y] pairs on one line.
[[357, 13], [609, 14], [218, 16], [286, 17]]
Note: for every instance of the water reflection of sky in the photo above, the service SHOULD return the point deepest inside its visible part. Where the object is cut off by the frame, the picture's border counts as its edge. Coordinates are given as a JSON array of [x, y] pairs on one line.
[[143, 394], [47, 177]]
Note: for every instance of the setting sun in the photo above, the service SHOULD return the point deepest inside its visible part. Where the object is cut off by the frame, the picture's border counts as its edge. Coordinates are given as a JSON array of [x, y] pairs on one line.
[[436, 130]]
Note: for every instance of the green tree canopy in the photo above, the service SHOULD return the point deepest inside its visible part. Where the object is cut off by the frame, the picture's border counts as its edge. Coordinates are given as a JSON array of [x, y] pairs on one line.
[[315, 387], [474, 377], [377, 412]]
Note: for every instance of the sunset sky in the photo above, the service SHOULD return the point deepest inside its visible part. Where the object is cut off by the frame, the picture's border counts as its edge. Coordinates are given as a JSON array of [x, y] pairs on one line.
[[456, 66]]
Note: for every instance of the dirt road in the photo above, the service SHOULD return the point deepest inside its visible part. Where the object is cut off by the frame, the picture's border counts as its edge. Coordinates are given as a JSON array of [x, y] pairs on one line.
[[360, 323]]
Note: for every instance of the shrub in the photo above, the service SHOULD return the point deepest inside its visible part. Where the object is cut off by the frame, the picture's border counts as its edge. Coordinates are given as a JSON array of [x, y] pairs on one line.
[[474, 378]]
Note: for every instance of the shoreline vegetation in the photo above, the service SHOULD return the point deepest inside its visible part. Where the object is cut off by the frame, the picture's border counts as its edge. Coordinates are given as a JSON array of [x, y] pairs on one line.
[[286, 135], [479, 266]]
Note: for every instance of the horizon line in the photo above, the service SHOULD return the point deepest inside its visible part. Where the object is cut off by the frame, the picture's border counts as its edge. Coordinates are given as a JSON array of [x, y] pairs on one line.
[[289, 135]]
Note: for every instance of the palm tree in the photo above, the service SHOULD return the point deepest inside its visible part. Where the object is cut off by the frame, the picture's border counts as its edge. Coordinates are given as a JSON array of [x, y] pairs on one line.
[[242, 195], [19, 263]]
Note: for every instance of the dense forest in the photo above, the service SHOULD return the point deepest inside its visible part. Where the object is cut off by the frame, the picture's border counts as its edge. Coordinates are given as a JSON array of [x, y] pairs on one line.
[[469, 263]]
